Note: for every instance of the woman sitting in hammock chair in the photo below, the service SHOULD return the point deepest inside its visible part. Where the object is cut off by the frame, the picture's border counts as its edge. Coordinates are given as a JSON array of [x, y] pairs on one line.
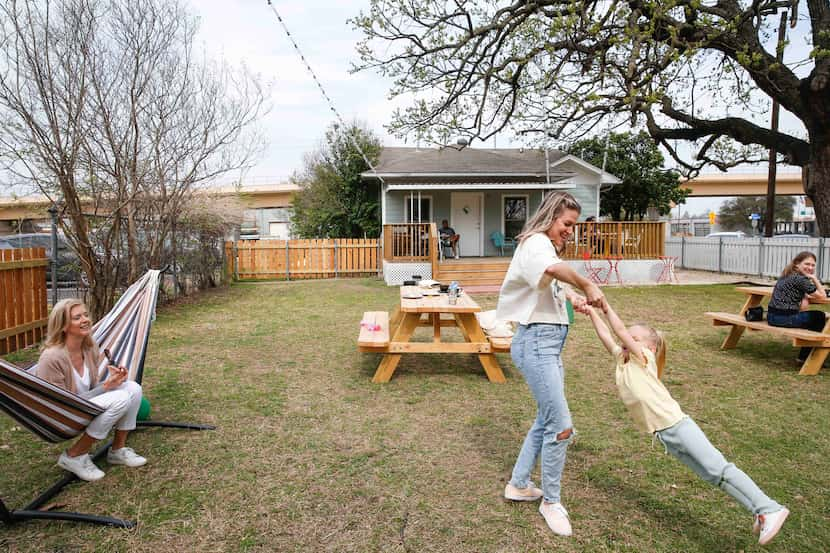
[[70, 360]]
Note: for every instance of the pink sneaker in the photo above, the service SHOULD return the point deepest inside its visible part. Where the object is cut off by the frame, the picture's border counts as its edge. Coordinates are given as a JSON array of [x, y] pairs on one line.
[[771, 523], [530, 493], [557, 518]]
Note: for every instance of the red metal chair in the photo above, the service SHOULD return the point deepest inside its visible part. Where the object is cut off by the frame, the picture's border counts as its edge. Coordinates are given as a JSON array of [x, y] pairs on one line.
[[593, 273], [667, 273]]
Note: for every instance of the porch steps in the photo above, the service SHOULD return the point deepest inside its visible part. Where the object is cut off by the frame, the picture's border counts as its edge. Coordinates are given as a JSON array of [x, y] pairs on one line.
[[473, 272]]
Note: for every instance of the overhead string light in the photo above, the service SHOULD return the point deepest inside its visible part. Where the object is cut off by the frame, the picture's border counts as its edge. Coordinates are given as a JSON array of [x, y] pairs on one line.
[[323, 91]]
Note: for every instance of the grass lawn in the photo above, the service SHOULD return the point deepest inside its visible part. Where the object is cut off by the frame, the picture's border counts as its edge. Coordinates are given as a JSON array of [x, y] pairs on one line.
[[311, 456]]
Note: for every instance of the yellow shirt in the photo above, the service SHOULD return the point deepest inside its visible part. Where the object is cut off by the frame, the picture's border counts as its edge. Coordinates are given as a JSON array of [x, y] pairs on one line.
[[649, 402]]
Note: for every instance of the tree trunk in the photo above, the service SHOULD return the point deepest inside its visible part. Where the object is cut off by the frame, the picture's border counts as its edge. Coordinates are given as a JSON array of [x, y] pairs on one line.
[[817, 185]]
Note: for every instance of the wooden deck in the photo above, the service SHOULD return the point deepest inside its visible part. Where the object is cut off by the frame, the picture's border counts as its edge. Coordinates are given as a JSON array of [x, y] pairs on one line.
[[473, 271]]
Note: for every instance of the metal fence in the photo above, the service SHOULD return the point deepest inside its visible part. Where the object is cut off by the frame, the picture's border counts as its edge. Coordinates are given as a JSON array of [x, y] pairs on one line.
[[765, 257]]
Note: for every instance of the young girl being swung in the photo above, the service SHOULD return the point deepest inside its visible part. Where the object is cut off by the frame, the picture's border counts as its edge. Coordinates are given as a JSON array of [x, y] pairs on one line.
[[639, 362]]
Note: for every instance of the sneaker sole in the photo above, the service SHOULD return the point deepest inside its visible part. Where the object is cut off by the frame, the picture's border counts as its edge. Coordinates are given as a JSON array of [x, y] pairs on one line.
[[522, 497], [123, 464], [774, 532], [81, 477]]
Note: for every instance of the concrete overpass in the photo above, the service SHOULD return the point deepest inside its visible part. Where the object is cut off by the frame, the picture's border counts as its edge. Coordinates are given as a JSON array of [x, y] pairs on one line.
[[260, 196], [746, 184]]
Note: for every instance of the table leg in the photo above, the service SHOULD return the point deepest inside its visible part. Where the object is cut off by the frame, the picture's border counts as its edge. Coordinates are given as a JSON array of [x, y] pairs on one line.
[[460, 324], [735, 334], [389, 363], [473, 333], [395, 319], [436, 327], [812, 365]]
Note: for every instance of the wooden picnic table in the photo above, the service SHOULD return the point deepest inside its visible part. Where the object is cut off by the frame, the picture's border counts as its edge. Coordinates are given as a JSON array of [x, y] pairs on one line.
[[755, 295], [427, 311]]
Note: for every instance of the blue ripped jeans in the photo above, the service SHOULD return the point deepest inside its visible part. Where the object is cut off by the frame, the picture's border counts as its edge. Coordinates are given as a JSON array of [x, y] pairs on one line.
[[536, 350]]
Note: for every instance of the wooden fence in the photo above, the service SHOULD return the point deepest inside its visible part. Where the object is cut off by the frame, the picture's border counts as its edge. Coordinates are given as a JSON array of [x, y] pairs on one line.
[[23, 309], [301, 259]]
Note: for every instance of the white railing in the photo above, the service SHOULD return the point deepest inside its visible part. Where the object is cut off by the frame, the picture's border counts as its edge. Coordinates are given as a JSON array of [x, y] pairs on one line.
[[765, 257]]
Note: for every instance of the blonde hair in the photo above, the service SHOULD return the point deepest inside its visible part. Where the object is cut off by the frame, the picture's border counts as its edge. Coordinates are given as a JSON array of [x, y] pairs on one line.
[[59, 319], [552, 207], [658, 340], [790, 268]]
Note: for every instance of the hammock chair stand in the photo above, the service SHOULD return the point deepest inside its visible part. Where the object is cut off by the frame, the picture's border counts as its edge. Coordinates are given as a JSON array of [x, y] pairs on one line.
[[32, 510]]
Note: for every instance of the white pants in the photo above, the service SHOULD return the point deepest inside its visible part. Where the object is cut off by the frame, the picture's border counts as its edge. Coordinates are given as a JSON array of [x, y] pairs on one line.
[[121, 406]]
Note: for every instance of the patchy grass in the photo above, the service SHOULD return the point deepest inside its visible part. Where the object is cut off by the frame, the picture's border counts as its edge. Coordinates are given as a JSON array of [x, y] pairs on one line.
[[310, 456]]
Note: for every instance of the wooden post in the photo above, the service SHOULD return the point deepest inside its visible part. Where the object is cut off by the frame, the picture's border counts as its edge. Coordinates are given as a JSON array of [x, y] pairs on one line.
[[336, 259], [287, 261]]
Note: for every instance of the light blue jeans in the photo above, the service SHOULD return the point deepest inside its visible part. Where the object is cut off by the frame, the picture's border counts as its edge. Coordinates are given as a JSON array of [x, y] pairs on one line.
[[686, 441], [536, 350]]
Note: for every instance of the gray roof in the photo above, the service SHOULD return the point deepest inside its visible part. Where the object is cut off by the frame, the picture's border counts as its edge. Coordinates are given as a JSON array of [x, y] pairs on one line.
[[467, 161]]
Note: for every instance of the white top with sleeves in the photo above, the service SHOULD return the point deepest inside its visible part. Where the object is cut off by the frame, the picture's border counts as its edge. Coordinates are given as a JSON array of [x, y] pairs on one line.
[[648, 401], [527, 294]]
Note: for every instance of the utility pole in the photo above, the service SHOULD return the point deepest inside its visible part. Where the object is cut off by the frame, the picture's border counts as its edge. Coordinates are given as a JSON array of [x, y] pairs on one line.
[[53, 213], [769, 223]]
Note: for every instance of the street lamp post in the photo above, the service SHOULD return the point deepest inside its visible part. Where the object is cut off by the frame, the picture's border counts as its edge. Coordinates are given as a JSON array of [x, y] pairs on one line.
[[53, 212]]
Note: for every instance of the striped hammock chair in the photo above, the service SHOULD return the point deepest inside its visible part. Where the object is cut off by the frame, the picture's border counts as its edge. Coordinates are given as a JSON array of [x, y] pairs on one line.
[[55, 414]]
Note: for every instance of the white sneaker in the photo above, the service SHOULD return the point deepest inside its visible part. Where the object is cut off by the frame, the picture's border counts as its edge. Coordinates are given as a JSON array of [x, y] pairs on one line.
[[125, 456], [457, 257], [530, 493], [557, 518], [771, 523], [81, 466]]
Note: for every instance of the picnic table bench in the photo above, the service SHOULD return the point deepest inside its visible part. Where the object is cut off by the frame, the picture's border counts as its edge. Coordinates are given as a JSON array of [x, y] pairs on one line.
[[801, 337], [390, 335]]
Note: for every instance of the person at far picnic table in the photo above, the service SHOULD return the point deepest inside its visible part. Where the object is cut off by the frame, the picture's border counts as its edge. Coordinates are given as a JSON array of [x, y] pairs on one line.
[[70, 360], [533, 295], [640, 358], [788, 306], [449, 236]]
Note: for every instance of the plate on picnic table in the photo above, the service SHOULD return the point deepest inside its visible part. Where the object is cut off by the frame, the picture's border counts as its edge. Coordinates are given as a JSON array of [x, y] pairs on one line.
[[412, 295], [430, 292]]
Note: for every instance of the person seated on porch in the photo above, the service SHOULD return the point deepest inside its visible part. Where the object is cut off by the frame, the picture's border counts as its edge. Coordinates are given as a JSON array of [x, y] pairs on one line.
[[449, 236], [790, 301], [592, 239], [70, 360]]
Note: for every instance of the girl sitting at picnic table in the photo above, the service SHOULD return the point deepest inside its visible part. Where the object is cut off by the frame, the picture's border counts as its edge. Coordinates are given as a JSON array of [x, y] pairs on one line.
[[70, 360], [791, 298], [639, 361]]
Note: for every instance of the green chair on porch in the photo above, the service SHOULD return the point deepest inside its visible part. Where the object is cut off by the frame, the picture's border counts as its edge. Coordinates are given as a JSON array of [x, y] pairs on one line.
[[501, 241]]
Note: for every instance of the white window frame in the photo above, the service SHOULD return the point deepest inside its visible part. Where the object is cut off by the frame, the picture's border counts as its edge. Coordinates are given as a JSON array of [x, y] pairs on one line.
[[527, 207], [406, 204]]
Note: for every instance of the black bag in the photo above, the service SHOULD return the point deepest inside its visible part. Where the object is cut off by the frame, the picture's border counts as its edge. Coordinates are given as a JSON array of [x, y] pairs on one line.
[[754, 314]]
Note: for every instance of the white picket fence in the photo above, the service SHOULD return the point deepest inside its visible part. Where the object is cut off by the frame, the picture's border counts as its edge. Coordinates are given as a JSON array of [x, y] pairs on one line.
[[747, 256]]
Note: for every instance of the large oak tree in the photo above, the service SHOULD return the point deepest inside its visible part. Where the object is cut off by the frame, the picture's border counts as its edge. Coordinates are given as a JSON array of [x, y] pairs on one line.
[[699, 73]]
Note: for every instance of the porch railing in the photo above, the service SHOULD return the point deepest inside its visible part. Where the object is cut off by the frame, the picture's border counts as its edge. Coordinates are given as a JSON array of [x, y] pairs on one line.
[[626, 239], [409, 241]]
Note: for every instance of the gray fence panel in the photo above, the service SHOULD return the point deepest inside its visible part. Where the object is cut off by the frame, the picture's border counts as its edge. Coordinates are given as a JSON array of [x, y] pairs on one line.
[[746, 256]]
